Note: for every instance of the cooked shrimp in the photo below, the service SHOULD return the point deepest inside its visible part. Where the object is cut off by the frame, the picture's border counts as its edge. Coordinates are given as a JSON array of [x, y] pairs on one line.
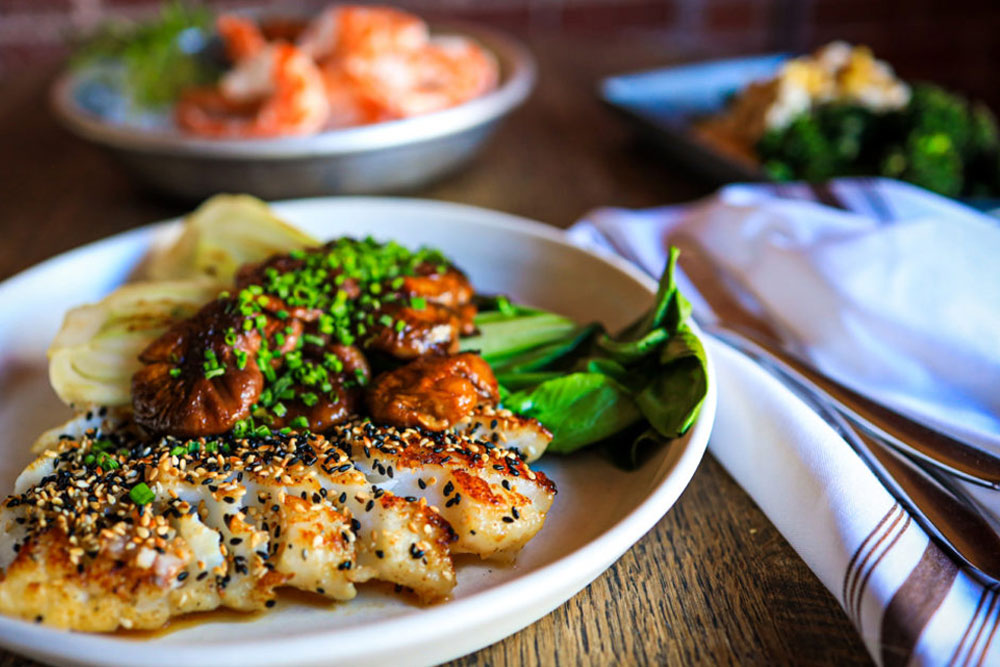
[[349, 100], [380, 63], [447, 72], [276, 91], [242, 37], [362, 32]]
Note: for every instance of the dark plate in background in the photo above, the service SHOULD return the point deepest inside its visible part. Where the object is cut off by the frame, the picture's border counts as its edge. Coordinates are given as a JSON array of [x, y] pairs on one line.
[[664, 103]]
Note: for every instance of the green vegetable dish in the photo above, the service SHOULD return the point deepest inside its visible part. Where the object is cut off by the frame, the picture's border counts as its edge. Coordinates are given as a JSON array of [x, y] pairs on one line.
[[939, 141], [641, 386], [841, 112], [153, 61]]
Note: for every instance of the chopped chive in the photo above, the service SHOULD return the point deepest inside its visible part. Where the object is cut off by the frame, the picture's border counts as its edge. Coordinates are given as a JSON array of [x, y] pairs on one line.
[[141, 494]]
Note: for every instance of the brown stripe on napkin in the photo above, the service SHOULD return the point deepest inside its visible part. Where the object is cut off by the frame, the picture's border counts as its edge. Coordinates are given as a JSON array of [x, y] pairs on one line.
[[987, 594], [913, 605], [854, 567], [864, 581], [989, 640], [990, 614]]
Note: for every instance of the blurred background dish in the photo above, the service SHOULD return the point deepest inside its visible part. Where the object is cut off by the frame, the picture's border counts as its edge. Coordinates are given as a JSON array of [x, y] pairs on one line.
[[389, 156], [837, 112]]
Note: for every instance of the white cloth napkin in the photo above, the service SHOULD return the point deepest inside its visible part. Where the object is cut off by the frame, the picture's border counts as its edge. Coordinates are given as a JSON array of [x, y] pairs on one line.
[[899, 296]]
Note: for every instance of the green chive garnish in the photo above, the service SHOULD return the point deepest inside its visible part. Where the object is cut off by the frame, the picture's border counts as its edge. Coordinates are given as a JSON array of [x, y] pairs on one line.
[[141, 494]]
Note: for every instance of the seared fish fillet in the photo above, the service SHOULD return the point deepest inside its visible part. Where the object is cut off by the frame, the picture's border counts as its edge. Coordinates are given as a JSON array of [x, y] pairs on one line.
[[107, 531], [492, 500], [102, 534], [506, 429]]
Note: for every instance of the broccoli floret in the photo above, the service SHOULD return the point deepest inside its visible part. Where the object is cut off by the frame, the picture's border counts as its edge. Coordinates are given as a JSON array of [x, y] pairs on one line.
[[933, 110], [849, 128], [982, 162], [939, 141], [984, 136], [928, 159], [798, 151]]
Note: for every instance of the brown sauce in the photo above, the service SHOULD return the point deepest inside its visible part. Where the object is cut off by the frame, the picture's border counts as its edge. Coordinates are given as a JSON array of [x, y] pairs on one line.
[[286, 596]]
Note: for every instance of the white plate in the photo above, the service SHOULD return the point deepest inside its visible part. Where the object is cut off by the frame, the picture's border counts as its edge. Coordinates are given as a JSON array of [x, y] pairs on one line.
[[599, 513]]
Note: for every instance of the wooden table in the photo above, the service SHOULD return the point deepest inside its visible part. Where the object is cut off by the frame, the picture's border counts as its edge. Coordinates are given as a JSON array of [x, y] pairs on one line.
[[713, 582]]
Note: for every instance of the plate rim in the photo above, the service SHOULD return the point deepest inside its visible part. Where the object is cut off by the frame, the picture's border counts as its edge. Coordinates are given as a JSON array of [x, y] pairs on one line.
[[512, 91], [571, 572]]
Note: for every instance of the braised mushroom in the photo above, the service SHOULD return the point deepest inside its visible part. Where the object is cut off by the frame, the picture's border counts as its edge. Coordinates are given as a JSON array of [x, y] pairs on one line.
[[432, 392], [200, 377]]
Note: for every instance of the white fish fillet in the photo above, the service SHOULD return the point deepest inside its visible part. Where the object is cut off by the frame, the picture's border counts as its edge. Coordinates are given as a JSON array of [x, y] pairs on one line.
[[112, 532]]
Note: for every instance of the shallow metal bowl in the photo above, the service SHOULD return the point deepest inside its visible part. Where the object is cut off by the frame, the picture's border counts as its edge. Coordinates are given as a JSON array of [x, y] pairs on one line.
[[384, 157]]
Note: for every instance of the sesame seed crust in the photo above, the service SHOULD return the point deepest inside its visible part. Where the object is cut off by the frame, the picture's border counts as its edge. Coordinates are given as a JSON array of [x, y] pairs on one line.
[[228, 520]]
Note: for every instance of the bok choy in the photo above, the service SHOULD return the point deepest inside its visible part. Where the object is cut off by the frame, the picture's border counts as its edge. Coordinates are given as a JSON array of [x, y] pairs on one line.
[[588, 386]]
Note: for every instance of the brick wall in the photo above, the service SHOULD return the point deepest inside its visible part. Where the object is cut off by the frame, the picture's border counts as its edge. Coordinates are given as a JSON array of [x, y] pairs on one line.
[[956, 42]]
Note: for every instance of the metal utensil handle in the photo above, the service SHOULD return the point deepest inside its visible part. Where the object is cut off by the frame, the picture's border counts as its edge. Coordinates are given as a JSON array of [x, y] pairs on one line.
[[955, 526], [903, 433], [728, 298]]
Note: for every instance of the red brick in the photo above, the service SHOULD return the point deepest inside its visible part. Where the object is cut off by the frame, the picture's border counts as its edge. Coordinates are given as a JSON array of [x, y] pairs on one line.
[[610, 15], [736, 15]]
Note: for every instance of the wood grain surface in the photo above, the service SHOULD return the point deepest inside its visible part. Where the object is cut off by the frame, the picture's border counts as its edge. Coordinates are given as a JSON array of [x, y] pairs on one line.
[[713, 582]]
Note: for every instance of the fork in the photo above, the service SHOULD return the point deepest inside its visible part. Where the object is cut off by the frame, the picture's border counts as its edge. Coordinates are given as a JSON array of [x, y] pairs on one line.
[[911, 460]]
